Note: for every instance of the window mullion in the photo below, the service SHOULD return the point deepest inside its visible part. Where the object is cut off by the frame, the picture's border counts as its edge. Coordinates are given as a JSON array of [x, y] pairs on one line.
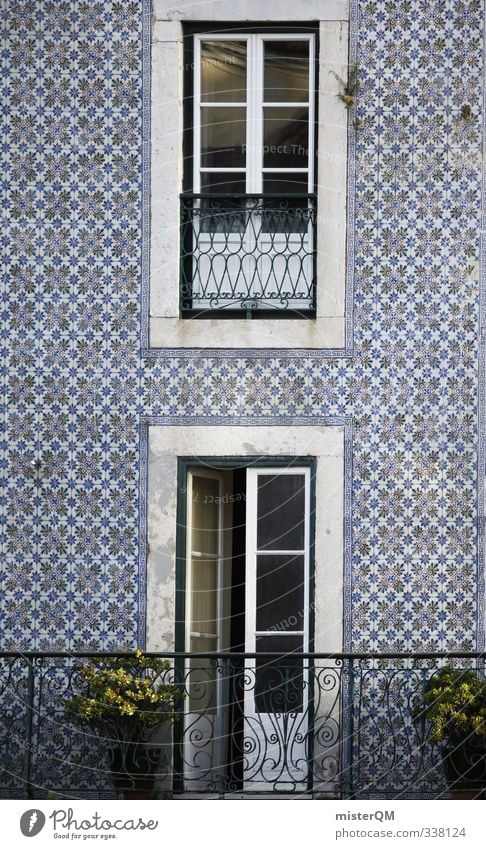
[[196, 152], [249, 110], [252, 181], [254, 115], [312, 108], [250, 548], [258, 154]]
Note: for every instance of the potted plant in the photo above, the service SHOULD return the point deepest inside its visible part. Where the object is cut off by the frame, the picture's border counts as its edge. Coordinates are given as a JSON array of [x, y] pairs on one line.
[[126, 699], [455, 706]]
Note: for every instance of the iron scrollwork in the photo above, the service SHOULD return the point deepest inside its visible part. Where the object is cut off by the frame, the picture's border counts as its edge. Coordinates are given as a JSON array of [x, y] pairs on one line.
[[337, 725], [247, 254]]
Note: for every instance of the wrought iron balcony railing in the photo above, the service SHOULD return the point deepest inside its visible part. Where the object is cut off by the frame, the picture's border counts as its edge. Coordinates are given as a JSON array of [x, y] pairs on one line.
[[338, 725], [248, 256]]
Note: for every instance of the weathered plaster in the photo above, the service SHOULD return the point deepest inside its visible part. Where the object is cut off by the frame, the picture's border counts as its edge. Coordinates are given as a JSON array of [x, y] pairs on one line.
[[252, 10]]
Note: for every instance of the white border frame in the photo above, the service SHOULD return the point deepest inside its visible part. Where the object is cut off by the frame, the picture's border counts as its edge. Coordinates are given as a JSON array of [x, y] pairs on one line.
[[252, 552], [213, 475], [167, 331], [254, 104], [325, 443]]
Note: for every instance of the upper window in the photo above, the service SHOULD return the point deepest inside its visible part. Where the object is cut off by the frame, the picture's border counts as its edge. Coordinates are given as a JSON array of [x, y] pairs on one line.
[[248, 236], [253, 107], [248, 141]]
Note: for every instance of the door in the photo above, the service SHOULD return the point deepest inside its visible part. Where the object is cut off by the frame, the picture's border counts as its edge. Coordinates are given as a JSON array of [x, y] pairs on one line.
[[247, 589], [206, 627], [276, 704]]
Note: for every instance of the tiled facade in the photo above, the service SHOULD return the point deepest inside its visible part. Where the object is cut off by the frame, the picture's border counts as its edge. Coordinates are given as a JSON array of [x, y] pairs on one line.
[[76, 385]]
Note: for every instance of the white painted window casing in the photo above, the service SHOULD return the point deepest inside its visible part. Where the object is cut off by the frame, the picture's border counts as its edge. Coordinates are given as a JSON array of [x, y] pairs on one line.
[[167, 329], [253, 551], [277, 609], [254, 104]]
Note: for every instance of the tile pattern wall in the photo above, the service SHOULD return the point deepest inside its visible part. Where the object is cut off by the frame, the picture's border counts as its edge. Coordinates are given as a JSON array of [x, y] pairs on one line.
[[72, 370], [75, 385]]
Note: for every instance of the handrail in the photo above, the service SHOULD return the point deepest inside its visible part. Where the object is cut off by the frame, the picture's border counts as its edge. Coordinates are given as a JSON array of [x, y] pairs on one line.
[[255, 655], [343, 723], [249, 195]]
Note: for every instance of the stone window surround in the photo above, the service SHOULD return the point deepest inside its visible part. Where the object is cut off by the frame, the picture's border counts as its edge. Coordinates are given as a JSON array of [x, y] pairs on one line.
[[166, 328], [167, 442]]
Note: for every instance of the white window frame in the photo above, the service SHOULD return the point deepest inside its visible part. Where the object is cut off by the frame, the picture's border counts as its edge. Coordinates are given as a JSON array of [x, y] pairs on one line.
[[254, 104], [214, 475], [208, 726], [252, 553], [273, 725], [271, 248]]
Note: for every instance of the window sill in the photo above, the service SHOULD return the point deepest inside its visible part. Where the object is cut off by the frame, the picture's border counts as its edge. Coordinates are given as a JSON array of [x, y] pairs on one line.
[[323, 332]]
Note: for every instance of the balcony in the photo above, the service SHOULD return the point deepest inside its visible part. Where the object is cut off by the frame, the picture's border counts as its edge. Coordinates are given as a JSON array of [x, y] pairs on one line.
[[313, 725], [248, 256]]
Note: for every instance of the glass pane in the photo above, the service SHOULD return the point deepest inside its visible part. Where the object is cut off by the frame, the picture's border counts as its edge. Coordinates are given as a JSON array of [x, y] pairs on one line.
[[280, 593], [223, 183], [205, 515], [281, 512], [204, 596], [223, 71], [202, 678], [220, 215], [286, 71], [285, 137], [279, 684], [283, 215], [285, 184], [223, 137]]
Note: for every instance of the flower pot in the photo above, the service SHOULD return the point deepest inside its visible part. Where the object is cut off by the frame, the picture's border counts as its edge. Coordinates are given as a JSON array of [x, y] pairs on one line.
[[133, 767], [465, 767]]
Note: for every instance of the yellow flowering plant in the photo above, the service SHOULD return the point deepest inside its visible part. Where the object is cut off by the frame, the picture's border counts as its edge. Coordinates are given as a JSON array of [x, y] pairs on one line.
[[455, 705], [127, 692]]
